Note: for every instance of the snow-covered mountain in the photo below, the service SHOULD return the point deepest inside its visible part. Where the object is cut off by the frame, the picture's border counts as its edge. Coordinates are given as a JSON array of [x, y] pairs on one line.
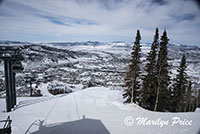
[[96, 63], [100, 108]]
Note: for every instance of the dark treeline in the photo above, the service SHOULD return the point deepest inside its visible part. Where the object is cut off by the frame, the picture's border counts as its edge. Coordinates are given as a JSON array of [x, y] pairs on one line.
[[155, 90]]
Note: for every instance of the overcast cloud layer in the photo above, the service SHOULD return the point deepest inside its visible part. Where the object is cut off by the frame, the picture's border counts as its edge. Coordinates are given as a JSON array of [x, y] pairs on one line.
[[99, 20]]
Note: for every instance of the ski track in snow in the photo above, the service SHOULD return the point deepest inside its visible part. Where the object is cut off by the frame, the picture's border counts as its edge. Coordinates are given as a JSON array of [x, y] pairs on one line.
[[35, 100]]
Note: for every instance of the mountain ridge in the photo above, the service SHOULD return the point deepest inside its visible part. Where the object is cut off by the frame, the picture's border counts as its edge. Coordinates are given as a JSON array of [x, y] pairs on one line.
[[84, 63]]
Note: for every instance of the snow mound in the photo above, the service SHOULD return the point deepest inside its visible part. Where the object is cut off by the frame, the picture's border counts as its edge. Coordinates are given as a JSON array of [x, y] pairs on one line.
[[197, 110]]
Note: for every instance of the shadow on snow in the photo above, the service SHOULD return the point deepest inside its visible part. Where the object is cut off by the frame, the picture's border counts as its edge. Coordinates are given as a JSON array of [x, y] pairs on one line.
[[82, 126]]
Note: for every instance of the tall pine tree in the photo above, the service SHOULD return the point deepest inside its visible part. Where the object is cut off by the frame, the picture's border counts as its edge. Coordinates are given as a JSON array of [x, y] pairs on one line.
[[180, 86], [132, 83], [188, 97], [163, 78], [150, 79], [198, 99]]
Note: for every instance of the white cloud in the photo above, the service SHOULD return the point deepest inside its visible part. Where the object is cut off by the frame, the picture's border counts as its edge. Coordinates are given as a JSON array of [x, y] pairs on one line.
[[81, 20]]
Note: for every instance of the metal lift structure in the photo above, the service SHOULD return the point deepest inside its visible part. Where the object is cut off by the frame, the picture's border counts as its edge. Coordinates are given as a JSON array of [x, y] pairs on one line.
[[7, 126], [12, 64]]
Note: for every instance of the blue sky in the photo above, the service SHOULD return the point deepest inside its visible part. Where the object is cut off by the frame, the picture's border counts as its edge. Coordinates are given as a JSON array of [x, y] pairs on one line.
[[99, 20]]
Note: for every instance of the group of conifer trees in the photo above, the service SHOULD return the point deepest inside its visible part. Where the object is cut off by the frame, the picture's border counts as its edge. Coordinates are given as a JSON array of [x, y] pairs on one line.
[[154, 89]]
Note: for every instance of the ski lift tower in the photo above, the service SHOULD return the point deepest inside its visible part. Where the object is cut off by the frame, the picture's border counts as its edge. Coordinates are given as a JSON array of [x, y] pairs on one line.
[[12, 65]]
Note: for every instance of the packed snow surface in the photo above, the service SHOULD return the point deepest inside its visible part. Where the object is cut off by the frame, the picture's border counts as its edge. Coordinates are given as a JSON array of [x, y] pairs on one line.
[[96, 110]]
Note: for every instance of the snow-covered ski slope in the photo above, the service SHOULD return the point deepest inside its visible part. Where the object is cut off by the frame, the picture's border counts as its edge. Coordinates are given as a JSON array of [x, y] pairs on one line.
[[96, 110]]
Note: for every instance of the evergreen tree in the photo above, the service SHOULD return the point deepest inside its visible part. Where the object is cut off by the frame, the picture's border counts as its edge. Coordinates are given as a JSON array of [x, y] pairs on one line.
[[132, 76], [198, 99], [180, 86], [150, 79], [188, 97], [194, 104], [163, 78]]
